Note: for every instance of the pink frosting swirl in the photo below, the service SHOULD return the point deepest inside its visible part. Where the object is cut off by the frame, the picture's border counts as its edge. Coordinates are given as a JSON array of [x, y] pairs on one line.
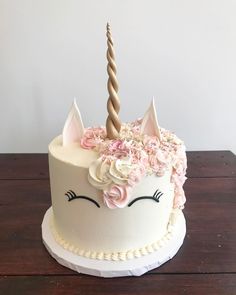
[[117, 149], [180, 198], [151, 144], [117, 197], [92, 137], [178, 178], [159, 167], [136, 175]]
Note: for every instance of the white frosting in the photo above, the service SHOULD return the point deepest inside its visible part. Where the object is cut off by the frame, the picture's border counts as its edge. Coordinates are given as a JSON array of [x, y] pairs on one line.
[[124, 255], [98, 174], [72, 154], [120, 169], [102, 230], [102, 174]]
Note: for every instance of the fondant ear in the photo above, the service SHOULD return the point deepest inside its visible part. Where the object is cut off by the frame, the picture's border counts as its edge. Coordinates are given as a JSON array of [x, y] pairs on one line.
[[74, 128], [149, 125]]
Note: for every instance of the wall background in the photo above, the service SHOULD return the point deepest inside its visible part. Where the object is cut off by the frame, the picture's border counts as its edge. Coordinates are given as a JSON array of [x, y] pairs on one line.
[[182, 52]]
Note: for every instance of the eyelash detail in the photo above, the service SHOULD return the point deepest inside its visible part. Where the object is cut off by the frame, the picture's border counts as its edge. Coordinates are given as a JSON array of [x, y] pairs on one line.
[[155, 198], [72, 196]]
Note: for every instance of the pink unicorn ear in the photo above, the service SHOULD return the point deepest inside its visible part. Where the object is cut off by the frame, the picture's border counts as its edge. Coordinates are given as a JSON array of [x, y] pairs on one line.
[[149, 125], [74, 128]]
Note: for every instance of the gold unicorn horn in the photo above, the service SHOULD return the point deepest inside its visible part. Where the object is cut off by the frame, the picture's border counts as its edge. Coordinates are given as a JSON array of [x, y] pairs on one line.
[[113, 123]]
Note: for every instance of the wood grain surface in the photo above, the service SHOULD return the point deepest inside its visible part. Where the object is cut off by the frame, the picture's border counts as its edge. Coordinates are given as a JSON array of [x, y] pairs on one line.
[[206, 263], [200, 164]]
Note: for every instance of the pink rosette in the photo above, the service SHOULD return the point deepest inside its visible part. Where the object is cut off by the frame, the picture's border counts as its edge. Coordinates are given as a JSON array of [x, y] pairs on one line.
[[159, 167], [117, 197], [179, 198], [136, 175], [163, 157], [178, 179], [135, 127], [139, 156], [118, 149], [92, 137], [154, 163], [151, 144], [178, 167]]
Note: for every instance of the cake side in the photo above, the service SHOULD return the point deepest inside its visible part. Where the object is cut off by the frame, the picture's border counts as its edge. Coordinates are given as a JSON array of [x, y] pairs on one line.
[[87, 226]]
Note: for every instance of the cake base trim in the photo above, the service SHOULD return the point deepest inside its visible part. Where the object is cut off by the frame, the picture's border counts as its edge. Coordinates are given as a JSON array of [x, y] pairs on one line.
[[119, 255], [110, 268]]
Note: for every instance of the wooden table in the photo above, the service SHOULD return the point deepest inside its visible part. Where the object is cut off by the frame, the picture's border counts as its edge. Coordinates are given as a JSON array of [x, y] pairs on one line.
[[206, 263]]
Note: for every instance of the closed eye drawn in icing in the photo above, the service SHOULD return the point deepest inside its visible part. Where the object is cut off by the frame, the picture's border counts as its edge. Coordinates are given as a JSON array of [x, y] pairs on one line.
[[156, 196], [72, 196]]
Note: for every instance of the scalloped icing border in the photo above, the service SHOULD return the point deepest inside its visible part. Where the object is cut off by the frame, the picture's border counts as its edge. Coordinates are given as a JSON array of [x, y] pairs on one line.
[[119, 256]]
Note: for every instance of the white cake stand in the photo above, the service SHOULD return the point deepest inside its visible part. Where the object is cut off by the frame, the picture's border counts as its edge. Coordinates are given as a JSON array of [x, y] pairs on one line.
[[103, 268]]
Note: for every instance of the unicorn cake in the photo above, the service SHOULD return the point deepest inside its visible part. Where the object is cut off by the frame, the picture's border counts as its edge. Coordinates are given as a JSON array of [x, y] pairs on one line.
[[117, 191]]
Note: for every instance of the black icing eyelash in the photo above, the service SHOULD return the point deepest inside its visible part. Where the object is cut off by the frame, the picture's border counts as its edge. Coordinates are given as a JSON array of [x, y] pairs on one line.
[[156, 196], [72, 196]]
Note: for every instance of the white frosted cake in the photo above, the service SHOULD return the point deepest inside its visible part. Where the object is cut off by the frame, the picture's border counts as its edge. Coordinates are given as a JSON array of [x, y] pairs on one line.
[[117, 191]]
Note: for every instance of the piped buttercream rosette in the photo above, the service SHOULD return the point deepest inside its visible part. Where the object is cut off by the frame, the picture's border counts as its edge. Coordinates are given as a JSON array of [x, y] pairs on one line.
[[98, 174], [116, 178]]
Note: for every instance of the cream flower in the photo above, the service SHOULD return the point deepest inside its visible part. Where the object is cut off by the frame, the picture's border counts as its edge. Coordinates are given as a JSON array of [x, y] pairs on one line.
[[98, 174], [120, 170]]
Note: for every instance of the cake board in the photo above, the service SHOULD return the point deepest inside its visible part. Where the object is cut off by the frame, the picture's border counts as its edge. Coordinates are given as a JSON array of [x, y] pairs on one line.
[[104, 268]]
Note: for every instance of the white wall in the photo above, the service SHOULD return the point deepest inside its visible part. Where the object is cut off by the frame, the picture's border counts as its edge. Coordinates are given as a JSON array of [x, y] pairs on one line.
[[182, 52]]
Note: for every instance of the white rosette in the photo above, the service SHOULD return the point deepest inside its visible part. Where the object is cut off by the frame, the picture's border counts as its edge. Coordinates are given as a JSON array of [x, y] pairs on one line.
[[120, 170], [102, 174], [98, 174]]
